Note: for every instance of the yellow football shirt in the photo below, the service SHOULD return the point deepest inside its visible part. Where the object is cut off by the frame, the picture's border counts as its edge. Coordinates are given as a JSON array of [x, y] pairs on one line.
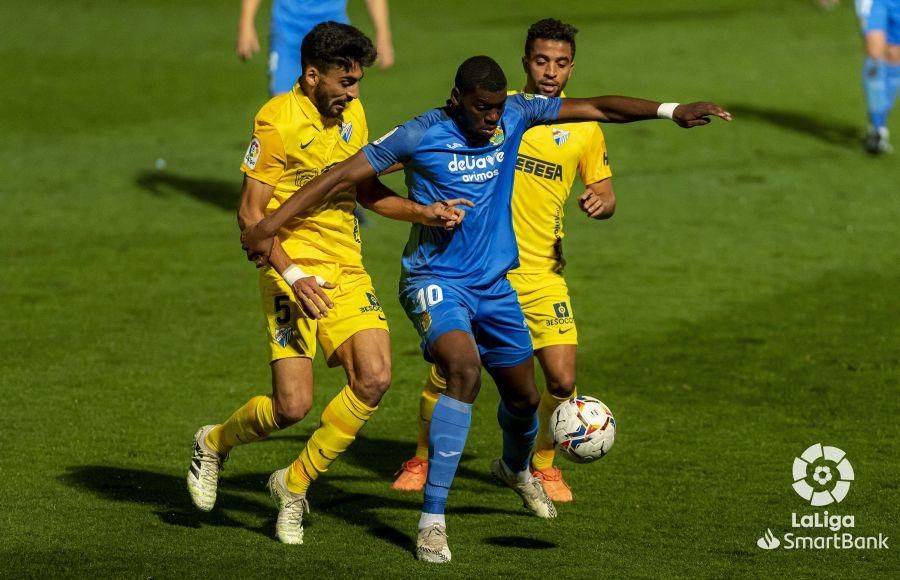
[[548, 159], [292, 143]]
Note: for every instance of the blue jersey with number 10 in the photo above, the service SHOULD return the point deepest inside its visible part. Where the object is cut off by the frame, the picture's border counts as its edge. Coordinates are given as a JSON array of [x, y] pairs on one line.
[[440, 164]]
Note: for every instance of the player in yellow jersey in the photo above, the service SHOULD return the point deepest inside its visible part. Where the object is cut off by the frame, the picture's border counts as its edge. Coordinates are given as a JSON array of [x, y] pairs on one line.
[[549, 158], [316, 266]]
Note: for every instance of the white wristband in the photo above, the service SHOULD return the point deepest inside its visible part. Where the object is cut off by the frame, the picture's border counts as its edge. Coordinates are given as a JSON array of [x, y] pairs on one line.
[[294, 273], [666, 110]]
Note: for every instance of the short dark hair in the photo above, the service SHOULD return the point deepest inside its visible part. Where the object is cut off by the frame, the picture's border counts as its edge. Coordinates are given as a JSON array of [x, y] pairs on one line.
[[334, 44], [550, 29], [480, 72]]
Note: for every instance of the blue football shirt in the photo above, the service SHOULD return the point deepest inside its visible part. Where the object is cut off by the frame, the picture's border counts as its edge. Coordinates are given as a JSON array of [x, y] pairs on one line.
[[441, 164], [302, 15]]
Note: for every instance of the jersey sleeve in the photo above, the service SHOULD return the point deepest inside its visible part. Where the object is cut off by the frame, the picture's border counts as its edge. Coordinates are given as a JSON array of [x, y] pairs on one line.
[[396, 146], [535, 109], [265, 159], [594, 163]]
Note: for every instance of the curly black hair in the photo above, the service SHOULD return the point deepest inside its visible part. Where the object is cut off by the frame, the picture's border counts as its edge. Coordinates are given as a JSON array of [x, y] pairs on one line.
[[333, 44], [480, 72], [550, 29]]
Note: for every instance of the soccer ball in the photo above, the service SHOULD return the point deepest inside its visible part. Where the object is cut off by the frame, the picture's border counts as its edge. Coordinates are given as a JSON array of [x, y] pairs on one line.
[[584, 429]]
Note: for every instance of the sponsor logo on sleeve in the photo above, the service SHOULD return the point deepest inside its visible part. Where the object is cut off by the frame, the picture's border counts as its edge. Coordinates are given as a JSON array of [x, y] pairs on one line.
[[252, 155]]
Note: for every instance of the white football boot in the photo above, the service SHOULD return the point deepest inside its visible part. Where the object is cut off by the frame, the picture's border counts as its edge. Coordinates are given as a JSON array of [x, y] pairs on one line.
[[203, 474], [291, 507], [431, 544], [532, 492]]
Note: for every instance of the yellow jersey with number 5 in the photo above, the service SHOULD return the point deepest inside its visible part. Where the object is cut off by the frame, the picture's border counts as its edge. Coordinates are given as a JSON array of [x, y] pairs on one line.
[[292, 144], [549, 157]]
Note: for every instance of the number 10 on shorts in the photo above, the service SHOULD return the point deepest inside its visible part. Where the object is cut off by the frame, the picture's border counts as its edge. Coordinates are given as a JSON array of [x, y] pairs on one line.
[[431, 295]]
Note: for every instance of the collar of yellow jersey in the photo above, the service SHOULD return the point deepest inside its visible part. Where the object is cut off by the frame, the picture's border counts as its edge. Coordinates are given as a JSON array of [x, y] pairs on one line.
[[308, 107], [562, 95]]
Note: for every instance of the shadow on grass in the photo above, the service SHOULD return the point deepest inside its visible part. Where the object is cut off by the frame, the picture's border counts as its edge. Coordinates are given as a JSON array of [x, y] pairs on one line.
[[383, 457], [224, 194], [830, 131], [169, 500], [520, 542]]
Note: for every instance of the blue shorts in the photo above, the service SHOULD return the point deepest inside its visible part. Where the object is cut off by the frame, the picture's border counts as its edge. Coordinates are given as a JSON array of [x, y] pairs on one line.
[[883, 15], [284, 52], [492, 316]]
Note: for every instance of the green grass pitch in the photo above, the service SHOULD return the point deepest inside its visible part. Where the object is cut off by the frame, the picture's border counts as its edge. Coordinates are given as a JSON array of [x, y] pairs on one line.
[[743, 304]]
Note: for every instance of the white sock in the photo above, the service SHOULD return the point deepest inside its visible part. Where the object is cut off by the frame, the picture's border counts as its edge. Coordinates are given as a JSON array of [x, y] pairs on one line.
[[428, 520], [523, 476]]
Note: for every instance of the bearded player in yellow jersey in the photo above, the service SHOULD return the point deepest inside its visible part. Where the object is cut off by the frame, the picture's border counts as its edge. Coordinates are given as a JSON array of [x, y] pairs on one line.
[[549, 157], [316, 266]]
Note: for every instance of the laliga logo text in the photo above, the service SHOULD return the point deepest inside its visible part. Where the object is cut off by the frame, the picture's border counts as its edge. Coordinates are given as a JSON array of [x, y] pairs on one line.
[[822, 476]]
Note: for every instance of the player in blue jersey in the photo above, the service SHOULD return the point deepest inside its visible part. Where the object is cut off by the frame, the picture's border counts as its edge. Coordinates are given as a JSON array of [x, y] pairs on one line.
[[453, 285], [880, 22], [291, 21]]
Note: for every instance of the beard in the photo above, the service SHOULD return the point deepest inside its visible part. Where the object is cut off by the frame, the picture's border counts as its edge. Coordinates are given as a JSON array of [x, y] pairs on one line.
[[324, 104]]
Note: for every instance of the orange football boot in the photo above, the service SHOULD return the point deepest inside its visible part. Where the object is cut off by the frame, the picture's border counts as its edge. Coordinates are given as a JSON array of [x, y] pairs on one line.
[[553, 483], [412, 475]]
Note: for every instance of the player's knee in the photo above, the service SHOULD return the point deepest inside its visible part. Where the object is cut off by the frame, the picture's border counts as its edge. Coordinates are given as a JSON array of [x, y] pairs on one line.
[[371, 386], [561, 384], [464, 380], [522, 403], [293, 411]]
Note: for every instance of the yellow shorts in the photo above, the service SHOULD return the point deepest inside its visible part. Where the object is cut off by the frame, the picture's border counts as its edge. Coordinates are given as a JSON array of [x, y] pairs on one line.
[[544, 299], [291, 334]]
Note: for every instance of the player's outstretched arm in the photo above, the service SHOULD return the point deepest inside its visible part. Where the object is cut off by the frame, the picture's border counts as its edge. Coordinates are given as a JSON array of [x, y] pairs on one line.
[[255, 196], [375, 196], [615, 109], [259, 239]]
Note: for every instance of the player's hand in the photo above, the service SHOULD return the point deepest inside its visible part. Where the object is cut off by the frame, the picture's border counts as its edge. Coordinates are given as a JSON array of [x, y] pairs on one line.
[[247, 42], [446, 214], [311, 296], [258, 244], [597, 205], [695, 114], [385, 50]]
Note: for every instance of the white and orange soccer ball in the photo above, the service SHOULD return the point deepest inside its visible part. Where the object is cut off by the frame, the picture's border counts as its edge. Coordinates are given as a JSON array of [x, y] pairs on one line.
[[584, 429]]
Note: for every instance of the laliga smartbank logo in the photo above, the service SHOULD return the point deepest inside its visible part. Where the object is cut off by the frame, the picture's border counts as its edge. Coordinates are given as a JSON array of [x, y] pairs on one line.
[[822, 476]]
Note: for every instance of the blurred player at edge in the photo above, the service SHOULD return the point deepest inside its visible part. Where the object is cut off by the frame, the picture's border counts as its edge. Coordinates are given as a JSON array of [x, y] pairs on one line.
[[549, 157], [880, 23], [453, 285], [291, 21], [297, 136]]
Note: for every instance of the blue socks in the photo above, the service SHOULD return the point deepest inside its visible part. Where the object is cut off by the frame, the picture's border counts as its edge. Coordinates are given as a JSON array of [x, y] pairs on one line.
[[519, 434], [875, 82], [449, 429], [893, 76]]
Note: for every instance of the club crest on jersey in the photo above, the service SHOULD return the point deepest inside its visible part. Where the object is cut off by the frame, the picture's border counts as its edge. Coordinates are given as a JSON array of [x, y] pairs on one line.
[[283, 335], [346, 131], [561, 309], [560, 136], [252, 155], [497, 137]]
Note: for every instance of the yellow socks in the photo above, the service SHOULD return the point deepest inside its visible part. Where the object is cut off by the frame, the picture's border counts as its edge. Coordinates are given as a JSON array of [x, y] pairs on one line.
[[341, 420], [434, 386], [543, 447], [254, 421]]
